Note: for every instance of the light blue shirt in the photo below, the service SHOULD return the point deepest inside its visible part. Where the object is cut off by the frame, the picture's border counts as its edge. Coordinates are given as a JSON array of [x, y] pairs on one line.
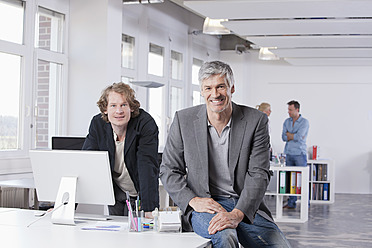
[[297, 146]]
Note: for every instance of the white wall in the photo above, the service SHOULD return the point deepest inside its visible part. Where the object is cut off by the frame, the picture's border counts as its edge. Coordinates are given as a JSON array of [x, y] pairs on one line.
[[95, 49], [94, 58], [336, 100]]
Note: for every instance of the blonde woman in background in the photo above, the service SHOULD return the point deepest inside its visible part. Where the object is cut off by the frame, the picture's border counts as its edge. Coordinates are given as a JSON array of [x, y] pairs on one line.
[[264, 107]]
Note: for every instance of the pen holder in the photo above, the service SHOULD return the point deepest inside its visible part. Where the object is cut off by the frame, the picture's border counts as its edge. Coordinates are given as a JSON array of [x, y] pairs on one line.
[[134, 222]]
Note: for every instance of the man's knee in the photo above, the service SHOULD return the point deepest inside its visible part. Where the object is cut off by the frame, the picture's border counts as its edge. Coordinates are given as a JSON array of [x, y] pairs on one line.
[[225, 238]]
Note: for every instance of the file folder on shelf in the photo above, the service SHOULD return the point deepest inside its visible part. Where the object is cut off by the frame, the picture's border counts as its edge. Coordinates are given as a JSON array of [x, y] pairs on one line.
[[315, 172], [325, 191], [293, 183], [298, 182], [282, 182]]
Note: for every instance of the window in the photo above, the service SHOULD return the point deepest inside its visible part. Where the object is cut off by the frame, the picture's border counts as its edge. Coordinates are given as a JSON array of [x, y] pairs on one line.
[[127, 80], [47, 102], [11, 12], [127, 51], [196, 97], [48, 81], [155, 95], [50, 30], [10, 80], [155, 106], [176, 83], [196, 64], [30, 101], [11, 66], [156, 60], [176, 100], [176, 65]]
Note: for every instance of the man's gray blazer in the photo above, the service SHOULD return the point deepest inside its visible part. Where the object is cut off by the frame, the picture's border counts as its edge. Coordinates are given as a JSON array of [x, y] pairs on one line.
[[184, 167]]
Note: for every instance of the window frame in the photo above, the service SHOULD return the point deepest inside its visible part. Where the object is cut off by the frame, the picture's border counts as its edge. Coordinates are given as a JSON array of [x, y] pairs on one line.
[[29, 58]]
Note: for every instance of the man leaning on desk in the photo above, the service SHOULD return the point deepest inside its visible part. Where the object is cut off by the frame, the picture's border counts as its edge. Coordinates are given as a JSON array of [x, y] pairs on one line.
[[215, 166], [130, 135]]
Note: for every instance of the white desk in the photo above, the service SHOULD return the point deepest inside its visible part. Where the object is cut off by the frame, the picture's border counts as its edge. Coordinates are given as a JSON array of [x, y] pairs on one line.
[[15, 234]]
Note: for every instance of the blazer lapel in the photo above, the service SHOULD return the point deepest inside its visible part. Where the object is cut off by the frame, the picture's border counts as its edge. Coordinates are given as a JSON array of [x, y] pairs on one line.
[[236, 138], [201, 134]]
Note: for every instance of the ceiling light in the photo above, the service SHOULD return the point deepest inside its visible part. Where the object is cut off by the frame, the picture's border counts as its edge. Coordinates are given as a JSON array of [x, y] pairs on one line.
[[265, 54], [147, 84], [214, 26]]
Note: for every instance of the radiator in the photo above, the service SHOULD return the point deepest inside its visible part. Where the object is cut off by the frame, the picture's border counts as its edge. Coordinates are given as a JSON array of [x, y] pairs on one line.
[[14, 197]]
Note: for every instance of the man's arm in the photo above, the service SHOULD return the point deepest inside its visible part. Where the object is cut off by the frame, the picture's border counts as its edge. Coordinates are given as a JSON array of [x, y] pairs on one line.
[[173, 168], [302, 131], [284, 132], [290, 136], [91, 142], [148, 165], [257, 176]]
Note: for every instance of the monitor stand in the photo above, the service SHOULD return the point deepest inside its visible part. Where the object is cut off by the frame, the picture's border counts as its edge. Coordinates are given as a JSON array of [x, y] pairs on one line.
[[65, 203]]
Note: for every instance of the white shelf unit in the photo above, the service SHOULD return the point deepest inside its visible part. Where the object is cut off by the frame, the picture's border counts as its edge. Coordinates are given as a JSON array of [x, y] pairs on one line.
[[304, 196], [321, 176]]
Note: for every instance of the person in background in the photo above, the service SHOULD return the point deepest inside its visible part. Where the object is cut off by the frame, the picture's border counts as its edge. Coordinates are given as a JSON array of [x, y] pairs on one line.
[[264, 107], [215, 166], [130, 135], [295, 130]]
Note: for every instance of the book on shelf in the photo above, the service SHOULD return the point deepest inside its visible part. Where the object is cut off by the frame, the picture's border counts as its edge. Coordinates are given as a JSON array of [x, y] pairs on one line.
[[315, 154], [324, 173], [298, 182], [320, 191], [320, 172], [315, 170], [282, 182], [326, 192], [292, 182]]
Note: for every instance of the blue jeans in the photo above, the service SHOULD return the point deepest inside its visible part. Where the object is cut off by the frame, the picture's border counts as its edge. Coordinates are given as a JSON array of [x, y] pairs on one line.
[[262, 233], [295, 160]]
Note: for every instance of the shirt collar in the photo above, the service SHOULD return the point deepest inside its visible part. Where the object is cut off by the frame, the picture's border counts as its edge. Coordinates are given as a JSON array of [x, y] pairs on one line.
[[299, 119], [116, 136], [227, 125]]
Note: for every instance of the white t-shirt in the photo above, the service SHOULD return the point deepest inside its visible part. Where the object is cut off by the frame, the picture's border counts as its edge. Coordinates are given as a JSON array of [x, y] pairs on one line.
[[121, 175]]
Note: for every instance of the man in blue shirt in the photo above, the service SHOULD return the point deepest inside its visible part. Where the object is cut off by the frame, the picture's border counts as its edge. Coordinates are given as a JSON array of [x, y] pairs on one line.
[[295, 129]]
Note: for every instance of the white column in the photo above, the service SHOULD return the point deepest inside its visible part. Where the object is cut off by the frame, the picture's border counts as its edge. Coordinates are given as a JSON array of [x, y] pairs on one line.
[[94, 57]]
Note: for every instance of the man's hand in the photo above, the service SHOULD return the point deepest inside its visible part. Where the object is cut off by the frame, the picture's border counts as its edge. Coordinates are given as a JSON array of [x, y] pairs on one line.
[[225, 220], [207, 205], [290, 136]]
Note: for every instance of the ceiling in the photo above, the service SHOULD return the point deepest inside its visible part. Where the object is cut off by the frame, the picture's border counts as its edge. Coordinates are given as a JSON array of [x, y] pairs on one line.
[[304, 32]]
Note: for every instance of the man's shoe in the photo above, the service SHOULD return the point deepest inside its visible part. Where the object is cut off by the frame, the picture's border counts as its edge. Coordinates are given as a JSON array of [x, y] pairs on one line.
[[288, 207]]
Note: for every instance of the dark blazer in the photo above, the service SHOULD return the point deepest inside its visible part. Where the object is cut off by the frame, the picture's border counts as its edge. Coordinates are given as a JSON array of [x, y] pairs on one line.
[[140, 154], [184, 169]]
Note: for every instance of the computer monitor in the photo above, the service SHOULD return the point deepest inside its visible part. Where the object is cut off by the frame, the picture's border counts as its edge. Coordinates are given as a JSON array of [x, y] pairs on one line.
[[73, 177], [67, 143]]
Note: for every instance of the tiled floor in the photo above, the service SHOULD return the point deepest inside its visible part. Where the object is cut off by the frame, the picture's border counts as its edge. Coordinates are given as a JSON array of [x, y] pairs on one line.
[[345, 223]]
